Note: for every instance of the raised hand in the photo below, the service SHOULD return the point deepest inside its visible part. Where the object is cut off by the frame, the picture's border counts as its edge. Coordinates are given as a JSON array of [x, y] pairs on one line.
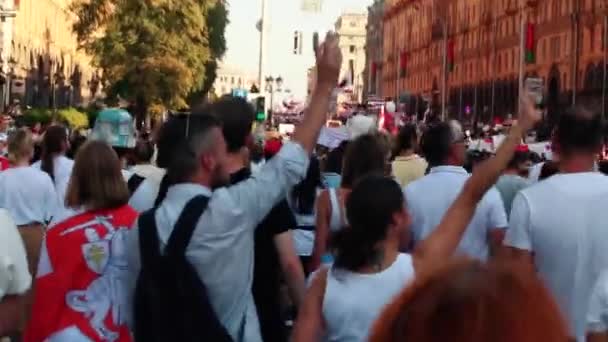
[[329, 61], [528, 115]]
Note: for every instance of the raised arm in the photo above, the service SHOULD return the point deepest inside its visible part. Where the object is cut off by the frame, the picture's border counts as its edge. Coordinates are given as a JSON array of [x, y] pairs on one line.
[[329, 61], [444, 240], [261, 192]]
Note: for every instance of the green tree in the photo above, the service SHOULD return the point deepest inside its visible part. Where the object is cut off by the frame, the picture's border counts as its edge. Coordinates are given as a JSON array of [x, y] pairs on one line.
[[152, 52], [216, 20]]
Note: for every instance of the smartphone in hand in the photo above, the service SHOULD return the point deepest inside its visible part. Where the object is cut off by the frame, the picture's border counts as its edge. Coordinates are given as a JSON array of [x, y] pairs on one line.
[[534, 87]]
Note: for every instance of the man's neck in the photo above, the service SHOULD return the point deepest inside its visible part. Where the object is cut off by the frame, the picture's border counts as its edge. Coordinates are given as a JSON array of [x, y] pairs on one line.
[[235, 163], [451, 163], [577, 164]]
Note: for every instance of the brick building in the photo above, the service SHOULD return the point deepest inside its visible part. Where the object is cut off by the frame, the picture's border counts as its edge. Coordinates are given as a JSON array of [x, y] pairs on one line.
[[563, 45]]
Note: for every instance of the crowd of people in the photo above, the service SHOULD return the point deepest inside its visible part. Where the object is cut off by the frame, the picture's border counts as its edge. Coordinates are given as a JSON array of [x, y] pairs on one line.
[[202, 232]]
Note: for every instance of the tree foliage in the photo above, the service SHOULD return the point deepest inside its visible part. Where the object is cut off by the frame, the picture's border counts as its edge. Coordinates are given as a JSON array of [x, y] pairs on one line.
[[152, 52]]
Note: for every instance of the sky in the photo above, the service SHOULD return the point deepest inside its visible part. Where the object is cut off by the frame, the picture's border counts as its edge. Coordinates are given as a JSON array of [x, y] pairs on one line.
[[243, 38]]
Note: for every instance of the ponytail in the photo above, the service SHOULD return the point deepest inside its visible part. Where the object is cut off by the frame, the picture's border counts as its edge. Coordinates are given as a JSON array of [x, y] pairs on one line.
[[370, 208], [353, 249], [53, 144]]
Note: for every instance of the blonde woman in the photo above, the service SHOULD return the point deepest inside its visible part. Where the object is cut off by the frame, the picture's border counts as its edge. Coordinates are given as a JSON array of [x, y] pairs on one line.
[[27, 193]]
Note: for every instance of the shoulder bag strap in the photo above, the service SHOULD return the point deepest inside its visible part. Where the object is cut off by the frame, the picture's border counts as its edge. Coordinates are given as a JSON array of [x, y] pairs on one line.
[[186, 224], [162, 191], [134, 182], [149, 246]]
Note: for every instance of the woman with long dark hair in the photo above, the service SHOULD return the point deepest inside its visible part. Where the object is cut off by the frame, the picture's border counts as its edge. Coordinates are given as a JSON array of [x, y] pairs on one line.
[[346, 298], [302, 201], [364, 156], [54, 162]]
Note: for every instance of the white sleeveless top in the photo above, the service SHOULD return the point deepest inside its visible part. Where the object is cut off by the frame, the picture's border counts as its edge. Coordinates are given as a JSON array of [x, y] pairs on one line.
[[353, 301]]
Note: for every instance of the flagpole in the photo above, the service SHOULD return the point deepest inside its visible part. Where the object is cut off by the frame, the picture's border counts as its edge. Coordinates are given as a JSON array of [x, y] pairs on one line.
[[522, 54], [445, 68]]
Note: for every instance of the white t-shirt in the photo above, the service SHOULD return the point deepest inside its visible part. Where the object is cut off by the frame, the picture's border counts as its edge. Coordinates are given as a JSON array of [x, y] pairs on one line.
[[429, 198], [353, 301], [597, 317], [62, 171], [144, 197], [15, 278], [29, 195], [562, 220]]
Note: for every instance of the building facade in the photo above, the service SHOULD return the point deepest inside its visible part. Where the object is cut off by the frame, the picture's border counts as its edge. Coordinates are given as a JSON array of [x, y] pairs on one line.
[[287, 44], [45, 68], [229, 78], [473, 54], [352, 32], [372, 83]]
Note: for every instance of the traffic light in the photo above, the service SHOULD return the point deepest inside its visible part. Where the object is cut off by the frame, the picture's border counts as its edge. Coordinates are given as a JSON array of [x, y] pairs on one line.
[[260, 108]]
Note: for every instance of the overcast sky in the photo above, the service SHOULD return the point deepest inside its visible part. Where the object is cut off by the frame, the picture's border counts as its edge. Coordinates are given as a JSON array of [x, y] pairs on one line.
[[243, 38]]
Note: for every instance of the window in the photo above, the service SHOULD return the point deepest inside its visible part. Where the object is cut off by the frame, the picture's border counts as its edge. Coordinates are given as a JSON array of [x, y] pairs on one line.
[[352, 49], [555, 48], [232, 80], [353, 24]]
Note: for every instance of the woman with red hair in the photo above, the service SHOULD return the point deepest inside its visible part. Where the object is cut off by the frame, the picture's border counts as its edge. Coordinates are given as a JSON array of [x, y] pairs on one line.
[[468, 301]]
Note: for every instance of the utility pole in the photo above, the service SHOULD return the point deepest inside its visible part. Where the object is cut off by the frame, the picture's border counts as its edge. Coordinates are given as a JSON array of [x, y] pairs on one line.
[[522, 53], [605, 55], [494, 30], [444, 82]]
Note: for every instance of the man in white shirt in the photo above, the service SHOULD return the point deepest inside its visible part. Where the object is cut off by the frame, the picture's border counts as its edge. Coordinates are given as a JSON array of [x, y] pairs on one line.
[[428, 198], [558, 226], [221, 248]]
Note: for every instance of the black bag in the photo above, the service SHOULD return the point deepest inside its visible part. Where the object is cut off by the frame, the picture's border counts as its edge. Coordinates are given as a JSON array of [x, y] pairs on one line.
[[134, 182], [171, 302]]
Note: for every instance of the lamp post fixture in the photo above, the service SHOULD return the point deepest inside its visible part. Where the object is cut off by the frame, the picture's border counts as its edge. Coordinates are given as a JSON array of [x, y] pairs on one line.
[[270, 89]]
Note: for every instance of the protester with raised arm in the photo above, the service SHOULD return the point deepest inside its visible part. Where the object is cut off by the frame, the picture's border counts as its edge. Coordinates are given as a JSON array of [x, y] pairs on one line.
[[222, 243], [345, 299]]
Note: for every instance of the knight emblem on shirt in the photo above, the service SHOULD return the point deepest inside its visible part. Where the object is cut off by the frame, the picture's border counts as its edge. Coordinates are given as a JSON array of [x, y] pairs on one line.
[[97, 255]]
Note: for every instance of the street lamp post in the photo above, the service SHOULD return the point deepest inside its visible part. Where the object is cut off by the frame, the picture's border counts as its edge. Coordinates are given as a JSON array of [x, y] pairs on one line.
[[270, 88]]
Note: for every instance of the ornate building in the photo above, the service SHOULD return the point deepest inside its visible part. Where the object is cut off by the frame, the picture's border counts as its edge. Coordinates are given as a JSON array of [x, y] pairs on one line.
[[351, 29], [45, 67], [473, 50], [373, 49]]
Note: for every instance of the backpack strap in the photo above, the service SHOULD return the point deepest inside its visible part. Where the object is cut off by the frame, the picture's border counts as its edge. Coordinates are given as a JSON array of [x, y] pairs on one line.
[[185, 226], [134, 183], [162, 191], [149, 246]]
